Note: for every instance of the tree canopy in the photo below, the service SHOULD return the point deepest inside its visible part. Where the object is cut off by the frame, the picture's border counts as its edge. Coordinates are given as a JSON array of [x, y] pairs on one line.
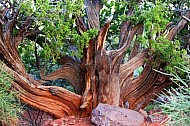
[[56, 21]]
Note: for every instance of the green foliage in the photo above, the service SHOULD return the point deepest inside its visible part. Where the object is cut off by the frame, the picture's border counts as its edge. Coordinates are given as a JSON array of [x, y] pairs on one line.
[[27, 7], [9, 106], [155, 18], [119, 9], [178, 107], [57, 22], [169, 53], [26, 50], [152, 106]]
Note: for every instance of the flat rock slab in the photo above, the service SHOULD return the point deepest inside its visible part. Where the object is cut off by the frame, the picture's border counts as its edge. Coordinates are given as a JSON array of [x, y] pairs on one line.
[[108, 115]]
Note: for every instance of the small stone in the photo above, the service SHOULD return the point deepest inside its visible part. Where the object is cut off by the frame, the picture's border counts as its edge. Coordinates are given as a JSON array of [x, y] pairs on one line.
[[161, 118], [46, 123], [71, 123], [65, 119], [55, 124], [72, 117]]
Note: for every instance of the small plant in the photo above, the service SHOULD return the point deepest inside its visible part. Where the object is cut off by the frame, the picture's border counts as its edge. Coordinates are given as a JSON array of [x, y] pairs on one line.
[[9, 106], [178, 105]]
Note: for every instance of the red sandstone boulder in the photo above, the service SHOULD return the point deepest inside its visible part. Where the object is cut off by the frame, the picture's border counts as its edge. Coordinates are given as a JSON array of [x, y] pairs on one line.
[[108, 115]]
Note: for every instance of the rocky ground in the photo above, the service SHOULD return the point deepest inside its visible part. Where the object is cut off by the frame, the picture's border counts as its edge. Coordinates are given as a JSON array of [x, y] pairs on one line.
[[103, 115]]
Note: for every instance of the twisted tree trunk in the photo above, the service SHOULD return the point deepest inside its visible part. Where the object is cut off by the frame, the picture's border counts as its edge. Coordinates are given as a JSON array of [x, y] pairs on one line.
[[100, 77]]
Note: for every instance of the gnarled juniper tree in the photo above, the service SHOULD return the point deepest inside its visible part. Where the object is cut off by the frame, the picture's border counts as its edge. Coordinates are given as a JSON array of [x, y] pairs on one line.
[[98, 61]]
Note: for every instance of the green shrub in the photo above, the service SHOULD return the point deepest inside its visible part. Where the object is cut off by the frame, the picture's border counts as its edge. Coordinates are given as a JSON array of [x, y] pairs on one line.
[[178, 107], [9, 106]]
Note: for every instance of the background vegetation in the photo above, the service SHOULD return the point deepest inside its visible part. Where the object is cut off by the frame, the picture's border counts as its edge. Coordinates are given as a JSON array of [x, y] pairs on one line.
[[9, 106], [178, 105]]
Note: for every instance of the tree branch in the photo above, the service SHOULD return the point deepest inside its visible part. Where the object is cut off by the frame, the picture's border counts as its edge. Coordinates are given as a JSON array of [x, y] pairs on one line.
[[11, 24], [186, 18], [142, 88], [29, 34], [129, 85], [55, 100], [147, 97], [125, 29], [130, 38], [93, 10], [10, 54], [134, 51], [68, 72], [24, 27], [80, 25], [117, 55], [129, 67], [124, 32], [102, 35], [172, 33]]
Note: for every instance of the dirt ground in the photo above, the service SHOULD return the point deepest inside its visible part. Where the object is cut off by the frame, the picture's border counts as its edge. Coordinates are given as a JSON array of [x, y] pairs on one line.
[[39, 118]]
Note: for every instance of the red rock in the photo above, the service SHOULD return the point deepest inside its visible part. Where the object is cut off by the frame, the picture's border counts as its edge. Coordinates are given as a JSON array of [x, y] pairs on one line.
[[58, 121], [47, 123], [71, 121], [109, 115], [65, 119], [72, 117]]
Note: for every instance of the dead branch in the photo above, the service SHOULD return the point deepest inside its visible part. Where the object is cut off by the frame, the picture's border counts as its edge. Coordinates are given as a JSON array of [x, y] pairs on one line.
[[135, 48], [117, 55], [92, 11], [67, 72], [172, 33], [129, 67], [129, 85], [80, 25], [102, 35]]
